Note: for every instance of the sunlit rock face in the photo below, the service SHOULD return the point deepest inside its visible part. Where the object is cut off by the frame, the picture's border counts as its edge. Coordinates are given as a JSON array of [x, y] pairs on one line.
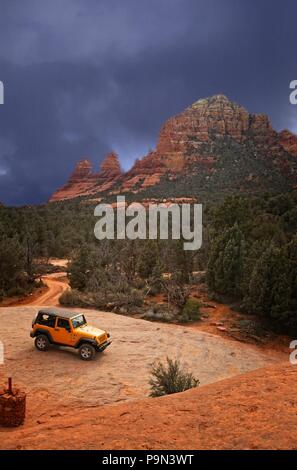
[[82, 170], [215, 139], [83, 181]]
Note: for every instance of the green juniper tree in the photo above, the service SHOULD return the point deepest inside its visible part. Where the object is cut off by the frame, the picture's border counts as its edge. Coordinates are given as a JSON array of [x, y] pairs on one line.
[[226, 263]]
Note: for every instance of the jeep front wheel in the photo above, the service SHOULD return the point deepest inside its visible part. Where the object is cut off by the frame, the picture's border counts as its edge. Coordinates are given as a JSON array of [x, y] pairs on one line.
[[87, 352], [41, 342]]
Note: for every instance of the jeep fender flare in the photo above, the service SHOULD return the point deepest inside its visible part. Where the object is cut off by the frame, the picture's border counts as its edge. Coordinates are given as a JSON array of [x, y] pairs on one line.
[[85, 340], [40, 331]]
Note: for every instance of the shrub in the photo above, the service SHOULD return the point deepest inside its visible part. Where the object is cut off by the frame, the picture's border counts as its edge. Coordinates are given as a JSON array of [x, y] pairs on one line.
[[177, 293], [72, 298], [17, 291], [170, 378], [103, 300], [111, 299], [160, 312], [190, 311]]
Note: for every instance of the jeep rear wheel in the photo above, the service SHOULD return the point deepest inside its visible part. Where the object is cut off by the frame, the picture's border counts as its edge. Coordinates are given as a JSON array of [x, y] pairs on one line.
[[87, 352], [41, 342]]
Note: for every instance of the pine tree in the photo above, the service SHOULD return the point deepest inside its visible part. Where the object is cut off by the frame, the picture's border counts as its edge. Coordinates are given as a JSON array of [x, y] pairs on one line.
[[147, 259], [82, 267], [259, 296], [11, 263], [226, 263]]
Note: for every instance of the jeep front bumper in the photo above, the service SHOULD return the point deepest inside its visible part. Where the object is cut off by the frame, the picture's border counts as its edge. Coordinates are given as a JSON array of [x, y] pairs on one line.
[[102, 346]]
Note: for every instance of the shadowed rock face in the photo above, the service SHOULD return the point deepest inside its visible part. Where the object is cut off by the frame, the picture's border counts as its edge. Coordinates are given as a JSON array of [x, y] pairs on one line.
[[209, 139]]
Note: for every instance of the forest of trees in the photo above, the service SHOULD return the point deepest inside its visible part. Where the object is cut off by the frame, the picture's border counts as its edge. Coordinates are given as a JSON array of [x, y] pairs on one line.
[[253, 257], [249, 252], [29, 234]]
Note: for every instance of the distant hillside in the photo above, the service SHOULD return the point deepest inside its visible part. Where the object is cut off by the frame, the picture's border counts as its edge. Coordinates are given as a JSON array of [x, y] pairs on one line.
[[213, 146]]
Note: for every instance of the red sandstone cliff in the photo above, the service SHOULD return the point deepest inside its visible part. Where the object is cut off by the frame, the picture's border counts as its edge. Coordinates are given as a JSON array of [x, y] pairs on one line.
[[84, 182], [193, 142]]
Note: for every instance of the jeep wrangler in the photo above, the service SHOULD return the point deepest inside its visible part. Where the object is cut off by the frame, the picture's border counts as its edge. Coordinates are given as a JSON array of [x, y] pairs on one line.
[[64, 328]]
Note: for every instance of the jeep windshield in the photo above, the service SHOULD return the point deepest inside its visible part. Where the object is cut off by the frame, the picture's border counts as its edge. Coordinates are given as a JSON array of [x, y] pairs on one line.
[[78, 321]]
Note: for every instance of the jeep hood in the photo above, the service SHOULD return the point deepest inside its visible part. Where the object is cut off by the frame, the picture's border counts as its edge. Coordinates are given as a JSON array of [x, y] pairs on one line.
[[90, 330]]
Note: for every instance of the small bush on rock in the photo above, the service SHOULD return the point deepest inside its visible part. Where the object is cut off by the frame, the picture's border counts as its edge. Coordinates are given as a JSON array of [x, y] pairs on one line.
[[170, 378]]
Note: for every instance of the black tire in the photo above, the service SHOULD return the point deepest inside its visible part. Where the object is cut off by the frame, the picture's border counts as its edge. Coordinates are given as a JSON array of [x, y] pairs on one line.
[[42, 343], [87, 352]]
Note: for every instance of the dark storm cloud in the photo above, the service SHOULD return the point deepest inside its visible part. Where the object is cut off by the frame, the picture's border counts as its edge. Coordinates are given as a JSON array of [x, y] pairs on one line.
[[82, 78]]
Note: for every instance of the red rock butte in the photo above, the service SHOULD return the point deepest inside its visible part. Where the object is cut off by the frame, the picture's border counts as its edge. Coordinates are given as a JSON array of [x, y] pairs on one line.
[[188, 145], [84, 182]]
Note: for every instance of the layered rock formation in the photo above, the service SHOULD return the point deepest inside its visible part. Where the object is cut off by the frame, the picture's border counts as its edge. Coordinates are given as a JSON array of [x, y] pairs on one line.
[[82, 170], [110, 173], [84, 182], [213, 145], [144, 173], [111, 165]]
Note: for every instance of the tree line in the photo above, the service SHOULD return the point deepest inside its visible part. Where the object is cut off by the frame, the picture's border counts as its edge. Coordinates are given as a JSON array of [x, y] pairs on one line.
[[253, 257], [249, 253]]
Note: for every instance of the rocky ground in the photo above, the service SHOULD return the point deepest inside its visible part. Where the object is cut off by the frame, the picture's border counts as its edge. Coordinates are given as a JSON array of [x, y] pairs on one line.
[[59, 384], [103, 404], [252, 411]]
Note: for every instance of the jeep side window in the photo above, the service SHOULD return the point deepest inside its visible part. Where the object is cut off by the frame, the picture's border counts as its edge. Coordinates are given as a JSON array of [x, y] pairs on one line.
[[46, 320], [62, 323]]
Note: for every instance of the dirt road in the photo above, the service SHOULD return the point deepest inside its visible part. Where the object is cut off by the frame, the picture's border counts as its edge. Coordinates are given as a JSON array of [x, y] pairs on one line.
[[56, 284]]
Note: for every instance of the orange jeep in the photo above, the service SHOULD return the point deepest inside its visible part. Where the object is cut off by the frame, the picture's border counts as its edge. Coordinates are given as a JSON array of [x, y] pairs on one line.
[[64, 328]]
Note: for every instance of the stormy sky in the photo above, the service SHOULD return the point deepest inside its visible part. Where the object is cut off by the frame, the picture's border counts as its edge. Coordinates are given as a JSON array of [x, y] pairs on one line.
[[83, 77]]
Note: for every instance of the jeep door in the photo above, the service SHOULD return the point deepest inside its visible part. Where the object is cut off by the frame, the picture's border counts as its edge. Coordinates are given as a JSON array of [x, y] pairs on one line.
[[63, 333]]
